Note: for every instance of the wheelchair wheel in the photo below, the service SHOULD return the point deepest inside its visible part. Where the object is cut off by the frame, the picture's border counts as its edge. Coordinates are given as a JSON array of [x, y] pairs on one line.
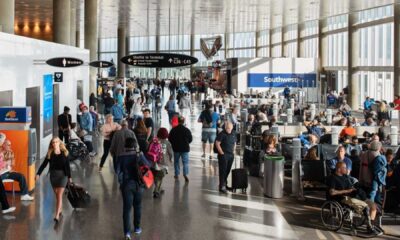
[[332, 215]]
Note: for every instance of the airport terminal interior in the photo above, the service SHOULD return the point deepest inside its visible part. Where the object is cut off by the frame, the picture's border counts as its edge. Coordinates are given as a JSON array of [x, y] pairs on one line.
[[199, 119]]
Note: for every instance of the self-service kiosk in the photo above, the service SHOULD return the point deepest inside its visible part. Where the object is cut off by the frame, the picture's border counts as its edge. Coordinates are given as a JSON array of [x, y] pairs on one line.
[[14, 123]]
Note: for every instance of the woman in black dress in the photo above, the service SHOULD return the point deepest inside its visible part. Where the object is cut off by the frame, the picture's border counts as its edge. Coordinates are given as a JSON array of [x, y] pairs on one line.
[[60, 172]]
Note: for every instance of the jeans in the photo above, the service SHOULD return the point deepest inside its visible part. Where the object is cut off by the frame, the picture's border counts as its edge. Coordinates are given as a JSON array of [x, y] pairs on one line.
[[224, 165], [3, 197], [185, 161], [64, 136], [375, 194], [106, 150], [132, 196], [19, 178], [171, 115]]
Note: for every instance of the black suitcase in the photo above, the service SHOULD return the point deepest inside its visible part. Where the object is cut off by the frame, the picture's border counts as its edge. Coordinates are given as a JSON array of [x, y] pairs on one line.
[[239, 179], [77, 196]]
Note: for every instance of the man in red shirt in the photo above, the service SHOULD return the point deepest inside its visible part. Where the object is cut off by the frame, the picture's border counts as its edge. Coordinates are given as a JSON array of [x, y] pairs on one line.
[[396, 102]]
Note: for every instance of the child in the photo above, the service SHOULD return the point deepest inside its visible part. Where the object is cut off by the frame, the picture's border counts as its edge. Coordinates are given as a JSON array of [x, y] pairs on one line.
[[166, 158]]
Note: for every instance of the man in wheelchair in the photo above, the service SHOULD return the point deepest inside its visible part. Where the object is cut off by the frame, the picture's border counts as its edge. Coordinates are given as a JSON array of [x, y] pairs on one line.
[[341, 188]]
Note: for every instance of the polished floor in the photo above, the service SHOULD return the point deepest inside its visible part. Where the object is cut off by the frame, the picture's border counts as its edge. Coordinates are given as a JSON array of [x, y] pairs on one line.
[[185, 211]]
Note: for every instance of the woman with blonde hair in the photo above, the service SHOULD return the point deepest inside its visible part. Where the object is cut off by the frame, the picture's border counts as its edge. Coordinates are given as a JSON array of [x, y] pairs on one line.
[[60, 172]]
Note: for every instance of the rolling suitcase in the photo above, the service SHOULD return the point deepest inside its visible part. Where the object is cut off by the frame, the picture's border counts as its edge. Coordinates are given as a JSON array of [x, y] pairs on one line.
[[77, 196], [239, 179]]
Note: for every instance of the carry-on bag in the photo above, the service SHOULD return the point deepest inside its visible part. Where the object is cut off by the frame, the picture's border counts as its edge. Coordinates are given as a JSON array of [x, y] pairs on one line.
[[239, 179], [77, 196]]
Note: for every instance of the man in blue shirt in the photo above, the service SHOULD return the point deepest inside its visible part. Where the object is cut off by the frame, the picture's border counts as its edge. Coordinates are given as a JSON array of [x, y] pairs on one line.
[[368, 103], [331, 99], [340, 157], [118, 112], [286, 92]]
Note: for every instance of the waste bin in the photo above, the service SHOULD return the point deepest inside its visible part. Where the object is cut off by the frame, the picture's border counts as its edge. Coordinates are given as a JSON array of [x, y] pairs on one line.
[[273, 176]]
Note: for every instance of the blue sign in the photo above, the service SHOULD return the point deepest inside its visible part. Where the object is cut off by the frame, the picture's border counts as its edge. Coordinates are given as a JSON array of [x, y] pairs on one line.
[[15, 114], [267, 80], [47, 104]]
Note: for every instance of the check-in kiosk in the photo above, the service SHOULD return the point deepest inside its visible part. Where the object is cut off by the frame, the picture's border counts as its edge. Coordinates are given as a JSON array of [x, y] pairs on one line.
[[14, 123]]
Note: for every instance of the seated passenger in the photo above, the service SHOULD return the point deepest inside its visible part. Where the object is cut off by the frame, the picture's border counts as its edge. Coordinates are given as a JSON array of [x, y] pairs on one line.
[[369, 123], [314, 127], [353, 145], [391, 165], [384, 130], [270, 144], [349, 130], [341, 189], [312, 154], [7, 163], [345, 109], [340, 157]]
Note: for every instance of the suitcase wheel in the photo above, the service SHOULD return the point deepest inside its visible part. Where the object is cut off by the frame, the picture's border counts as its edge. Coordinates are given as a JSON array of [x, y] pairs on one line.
[[244, 190]]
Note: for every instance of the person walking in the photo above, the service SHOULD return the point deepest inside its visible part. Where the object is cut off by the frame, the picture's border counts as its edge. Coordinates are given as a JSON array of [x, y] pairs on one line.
[[64, 121], [163, 164], [107, 131], [180, 137], [131, 187], [118, 112], [140, 131], [118, 142], [170, 107], [60, 172], [162, 86], [225, 144], [86, 121], [185, 105], [209, 120]]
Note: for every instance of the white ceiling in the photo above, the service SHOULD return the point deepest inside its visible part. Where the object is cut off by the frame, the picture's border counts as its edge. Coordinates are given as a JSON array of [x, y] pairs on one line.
[[163, 17]]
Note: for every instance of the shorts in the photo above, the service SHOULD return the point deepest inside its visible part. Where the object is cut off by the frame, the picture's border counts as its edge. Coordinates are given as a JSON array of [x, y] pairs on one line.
[[356, 204], [208, 135]]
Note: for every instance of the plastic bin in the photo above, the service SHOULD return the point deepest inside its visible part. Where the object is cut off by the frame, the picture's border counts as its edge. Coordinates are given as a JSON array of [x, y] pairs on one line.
[[273, 176]]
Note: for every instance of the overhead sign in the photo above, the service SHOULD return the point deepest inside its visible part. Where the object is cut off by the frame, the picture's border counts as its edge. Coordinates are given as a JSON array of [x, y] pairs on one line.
[[58, 77], [159, 60], [15, 114], [64, 62], [101, 64], [267, 80]]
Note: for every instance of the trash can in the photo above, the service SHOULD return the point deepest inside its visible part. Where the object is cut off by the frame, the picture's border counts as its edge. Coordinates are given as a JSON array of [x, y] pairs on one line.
[[273, 176]]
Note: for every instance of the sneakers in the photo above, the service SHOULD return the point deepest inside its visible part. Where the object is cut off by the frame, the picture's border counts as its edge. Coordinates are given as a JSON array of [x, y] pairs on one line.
[[223, 190], [176, 177], [156, 195], [128, 237], [8, 210], [138, 230], [92, 154], [186, 178], [204, 155], [26, 197], [211, 157], [374, 232]]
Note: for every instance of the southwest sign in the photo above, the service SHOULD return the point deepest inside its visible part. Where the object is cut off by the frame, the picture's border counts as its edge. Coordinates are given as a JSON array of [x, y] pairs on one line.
[[159, 60], [267, 80], [64, 62], [101, 64]]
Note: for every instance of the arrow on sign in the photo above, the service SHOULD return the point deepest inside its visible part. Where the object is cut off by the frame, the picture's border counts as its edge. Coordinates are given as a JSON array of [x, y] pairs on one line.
[[170, 60]]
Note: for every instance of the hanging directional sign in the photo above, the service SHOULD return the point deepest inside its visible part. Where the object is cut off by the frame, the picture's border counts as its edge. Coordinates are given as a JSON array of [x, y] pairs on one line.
[[101, 64], [159, 60], [64, 62], [58, 77]]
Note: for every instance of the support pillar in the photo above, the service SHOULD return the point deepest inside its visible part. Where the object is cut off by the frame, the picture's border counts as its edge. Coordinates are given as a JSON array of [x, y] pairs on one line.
[[192, 53], [396, 53], [91, 38], [353, 97], [61, 21], [121, 51], [78, 39], [7, 12], [72, 31]]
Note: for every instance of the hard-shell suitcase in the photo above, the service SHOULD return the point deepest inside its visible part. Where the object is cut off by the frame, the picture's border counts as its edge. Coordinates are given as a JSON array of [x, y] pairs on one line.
[[239, 179], [77, 196]]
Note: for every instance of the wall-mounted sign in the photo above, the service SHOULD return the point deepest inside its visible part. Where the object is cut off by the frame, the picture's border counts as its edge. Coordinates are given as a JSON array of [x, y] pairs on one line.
[[15, 114], [159, 60], [64, 62], [267, 80], [101, 64], [47, 104], [58, 77]]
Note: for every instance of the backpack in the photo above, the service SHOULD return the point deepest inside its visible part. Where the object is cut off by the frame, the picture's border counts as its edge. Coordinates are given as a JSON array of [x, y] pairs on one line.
[[154, 153]]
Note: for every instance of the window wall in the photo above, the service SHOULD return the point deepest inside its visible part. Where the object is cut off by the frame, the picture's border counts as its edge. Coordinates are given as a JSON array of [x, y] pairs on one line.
[[372, 48]]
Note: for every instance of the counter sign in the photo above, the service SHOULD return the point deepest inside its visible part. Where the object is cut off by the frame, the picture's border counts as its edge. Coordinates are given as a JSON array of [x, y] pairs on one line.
[[159, 60]]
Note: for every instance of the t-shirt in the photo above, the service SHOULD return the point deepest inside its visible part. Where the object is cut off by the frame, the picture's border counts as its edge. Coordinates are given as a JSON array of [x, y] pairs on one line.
[[149, 124], [338, 183], [397, 104], [228, 141], [214, 117]]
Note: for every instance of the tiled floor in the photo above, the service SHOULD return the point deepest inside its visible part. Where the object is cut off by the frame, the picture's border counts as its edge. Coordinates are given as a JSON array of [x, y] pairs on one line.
[[186, 211]]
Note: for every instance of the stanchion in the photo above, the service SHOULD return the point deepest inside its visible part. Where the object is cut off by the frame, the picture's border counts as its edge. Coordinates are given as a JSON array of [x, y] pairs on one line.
[[335, 135], [312, 110], [290, 115], [393, 136], [329, 116], [275, 111]]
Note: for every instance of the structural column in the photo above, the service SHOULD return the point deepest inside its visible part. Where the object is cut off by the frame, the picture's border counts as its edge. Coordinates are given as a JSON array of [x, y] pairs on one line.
[[78, 39], [7, 11], [158, 70], [353, 86], [91, 38], [61, 21], [192, 53], [72, 31], [396, 50], [121, 51]]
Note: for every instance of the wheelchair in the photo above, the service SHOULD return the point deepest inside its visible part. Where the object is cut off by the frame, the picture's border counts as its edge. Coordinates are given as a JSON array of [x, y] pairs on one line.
[[335, 216], [78, 150]]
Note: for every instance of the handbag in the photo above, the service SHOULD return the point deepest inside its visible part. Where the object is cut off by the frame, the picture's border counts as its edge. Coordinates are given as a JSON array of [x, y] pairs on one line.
[[146, 177]]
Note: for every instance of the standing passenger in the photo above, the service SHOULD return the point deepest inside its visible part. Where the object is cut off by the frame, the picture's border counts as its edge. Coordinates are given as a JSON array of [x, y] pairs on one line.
[[107, 131]]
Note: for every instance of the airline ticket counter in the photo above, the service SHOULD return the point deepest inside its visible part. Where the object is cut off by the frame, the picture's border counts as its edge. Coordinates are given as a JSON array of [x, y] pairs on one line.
[[15, 124]]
